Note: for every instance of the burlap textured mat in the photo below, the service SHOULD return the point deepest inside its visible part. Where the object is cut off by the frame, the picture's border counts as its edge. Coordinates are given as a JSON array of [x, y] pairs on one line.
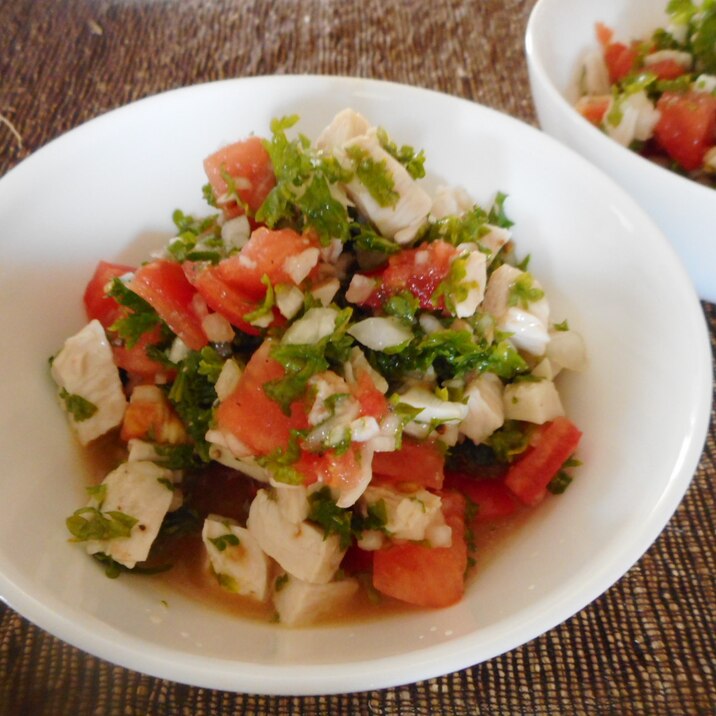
[[647, 646]]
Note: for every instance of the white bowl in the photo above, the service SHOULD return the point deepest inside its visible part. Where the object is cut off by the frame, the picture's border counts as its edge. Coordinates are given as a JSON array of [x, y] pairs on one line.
[[105, 189], [559, 32]]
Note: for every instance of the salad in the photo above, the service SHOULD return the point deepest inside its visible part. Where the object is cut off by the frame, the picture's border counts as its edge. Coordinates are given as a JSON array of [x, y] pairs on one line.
[[327, 385], [657, 95]]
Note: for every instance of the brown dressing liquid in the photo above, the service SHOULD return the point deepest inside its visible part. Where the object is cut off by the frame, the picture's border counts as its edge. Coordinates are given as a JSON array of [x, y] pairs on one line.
[[222, 491]]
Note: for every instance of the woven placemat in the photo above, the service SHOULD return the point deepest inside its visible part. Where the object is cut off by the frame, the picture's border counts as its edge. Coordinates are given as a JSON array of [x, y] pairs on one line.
[[647, 646]]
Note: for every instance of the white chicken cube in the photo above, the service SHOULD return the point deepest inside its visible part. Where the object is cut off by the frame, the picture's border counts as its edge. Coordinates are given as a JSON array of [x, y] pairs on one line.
[[432, 408], [299, 603], [528, 326], [566, 350], [85, 368], [409, 515], [143, 491], [140, 450], [346, 125], [494, 240], [450, 201], [292, 502], [473, 283], [236, 559], [484, 405], [401, 220], [534, 402], [302, 549]]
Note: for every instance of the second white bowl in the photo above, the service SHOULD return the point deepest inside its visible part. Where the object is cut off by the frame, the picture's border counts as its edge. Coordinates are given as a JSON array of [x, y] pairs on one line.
[[559, 32]]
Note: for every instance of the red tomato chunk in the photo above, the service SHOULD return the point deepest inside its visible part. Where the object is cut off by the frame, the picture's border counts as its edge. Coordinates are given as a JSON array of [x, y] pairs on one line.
[[163, 285], [687, 126], [422, 575], [552, 444], [249, 166]]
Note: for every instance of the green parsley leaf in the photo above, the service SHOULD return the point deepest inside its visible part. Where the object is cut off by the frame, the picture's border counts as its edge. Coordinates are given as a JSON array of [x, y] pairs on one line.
[[365, 239], [226, 581], [141, 318], [403, 305], [90, 523], [333, 519], [280, 462], [98, 493], [193, 394], [268, 303], [523, 291], [78, 407], [559, 483], [497, 214], [454, 288], [322, 212], [413, 163], [113, 569], [376, 518], [374, 175], [223, 541], [510, 440]]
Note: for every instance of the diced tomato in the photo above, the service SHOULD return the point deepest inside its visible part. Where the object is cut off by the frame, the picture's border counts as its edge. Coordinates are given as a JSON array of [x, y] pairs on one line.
[[220, 296], [593, 109], [416, 464], [135, 359], [666, 69], [98, 304], [250, 415], [492, 497], [151, 417], [418, 271], [551, 445], [620, 60], [164, 286], [604, 34], [248, 164], [372, 402], [266, 253], [687, 126], [422, 575], [340, 471]]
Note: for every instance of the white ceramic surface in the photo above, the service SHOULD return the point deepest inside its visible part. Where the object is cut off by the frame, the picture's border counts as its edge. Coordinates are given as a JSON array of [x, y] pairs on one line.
[[107, 190], [559, 33]]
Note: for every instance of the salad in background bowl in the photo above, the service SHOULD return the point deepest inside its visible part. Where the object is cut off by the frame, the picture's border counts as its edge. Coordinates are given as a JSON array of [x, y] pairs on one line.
[[637, 459], [641, 79]]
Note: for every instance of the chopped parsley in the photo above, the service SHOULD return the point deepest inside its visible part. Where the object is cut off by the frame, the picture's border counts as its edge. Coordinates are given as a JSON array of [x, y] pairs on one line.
[[90, 523], [266, 306], [302, 198], [375, 176], [509, 441], [523, 291], [302, 361], [140, 319], [333, 519], [280, 462], [223, 541], [413, 163], [193, 394], [78, 407]]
